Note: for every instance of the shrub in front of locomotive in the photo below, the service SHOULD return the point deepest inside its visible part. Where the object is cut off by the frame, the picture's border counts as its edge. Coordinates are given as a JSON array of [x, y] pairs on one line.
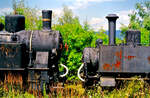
[[12, 52], [109, 63]]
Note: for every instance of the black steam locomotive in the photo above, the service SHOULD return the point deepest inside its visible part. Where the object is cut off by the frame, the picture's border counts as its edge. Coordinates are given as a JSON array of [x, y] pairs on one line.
[[108, 64], [33, 54]]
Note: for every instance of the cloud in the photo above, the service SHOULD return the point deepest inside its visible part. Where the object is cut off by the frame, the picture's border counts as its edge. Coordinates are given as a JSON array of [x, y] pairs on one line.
[[85, 3], [123, 18], [96, 23], [4, 11], [58, 11]]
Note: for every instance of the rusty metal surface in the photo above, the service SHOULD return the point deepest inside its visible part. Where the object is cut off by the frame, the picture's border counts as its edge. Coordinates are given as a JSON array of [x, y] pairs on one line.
[[11, 55], [110, 59], [136, 59], [127, 59]]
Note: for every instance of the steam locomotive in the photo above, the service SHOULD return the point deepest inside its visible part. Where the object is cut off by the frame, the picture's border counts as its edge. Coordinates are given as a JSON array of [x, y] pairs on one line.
[[108, 64], [33, 54]]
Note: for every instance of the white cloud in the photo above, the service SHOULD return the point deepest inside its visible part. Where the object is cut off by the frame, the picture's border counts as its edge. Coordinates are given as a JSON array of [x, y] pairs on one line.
[[5, 10], [97, 23], [85, 3], [123, 18], [58, 12]]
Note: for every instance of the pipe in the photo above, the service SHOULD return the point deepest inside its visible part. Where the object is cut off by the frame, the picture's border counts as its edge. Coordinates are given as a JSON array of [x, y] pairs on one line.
[[66, 70], [1, 26], [47, 18], [112, 28], [79, 73]]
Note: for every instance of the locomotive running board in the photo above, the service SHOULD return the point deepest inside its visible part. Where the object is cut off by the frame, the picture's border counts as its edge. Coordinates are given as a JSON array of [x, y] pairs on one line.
[[12, 69], [132, 78], [38, 69]]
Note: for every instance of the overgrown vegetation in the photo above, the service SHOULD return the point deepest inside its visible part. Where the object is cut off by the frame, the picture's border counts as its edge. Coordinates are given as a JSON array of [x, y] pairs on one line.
[[129, 89], [76, 37]]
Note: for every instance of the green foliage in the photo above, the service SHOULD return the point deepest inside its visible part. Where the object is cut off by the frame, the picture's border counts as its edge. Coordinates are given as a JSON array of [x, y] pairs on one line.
[[33, 20], [76, 37], [140, 20], [2, 19]]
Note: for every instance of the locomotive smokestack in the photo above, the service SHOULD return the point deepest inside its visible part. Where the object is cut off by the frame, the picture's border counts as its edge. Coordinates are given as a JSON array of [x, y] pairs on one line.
[[47, 18], [112, 28]]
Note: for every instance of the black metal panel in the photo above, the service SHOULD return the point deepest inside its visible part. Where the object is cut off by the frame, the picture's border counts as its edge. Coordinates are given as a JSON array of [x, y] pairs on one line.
[[44, 40], [136, 59], [133, 37], [110, 59], [91, 57], [11, 55], [14, 23]]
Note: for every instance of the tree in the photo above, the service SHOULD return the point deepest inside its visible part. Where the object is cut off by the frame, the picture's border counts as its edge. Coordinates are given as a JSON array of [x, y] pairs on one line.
[[76, 38], [32, 19], [140, 20]]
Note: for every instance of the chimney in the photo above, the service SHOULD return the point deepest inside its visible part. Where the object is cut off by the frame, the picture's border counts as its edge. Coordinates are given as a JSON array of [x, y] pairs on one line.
[[112, 28], [47, 18]]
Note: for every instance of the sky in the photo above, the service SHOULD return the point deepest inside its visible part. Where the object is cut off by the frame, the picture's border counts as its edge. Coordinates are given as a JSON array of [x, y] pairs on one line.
[[94, 11]]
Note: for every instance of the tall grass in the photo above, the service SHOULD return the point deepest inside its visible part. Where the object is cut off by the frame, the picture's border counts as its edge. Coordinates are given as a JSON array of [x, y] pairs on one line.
[[129, 89]]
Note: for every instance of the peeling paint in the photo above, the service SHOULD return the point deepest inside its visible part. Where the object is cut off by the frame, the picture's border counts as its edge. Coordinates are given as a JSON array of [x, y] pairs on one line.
[[129, 57]]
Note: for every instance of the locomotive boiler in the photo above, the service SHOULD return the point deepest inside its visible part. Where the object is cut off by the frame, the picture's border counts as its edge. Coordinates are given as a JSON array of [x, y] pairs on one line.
[[110, 63], [34, 54]]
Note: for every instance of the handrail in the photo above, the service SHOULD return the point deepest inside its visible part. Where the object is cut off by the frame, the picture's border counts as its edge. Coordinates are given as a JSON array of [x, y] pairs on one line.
[[79, 73], [67, 70]]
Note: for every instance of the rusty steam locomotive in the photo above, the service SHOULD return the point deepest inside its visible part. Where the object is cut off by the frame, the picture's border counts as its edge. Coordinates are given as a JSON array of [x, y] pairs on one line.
[[109, 63], [34, 54]]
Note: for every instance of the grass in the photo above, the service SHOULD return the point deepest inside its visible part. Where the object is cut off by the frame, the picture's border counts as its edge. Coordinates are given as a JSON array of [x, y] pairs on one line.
[[128, 89]]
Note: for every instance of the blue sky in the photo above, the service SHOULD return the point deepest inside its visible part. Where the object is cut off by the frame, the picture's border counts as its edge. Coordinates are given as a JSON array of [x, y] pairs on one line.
[[92, 10]]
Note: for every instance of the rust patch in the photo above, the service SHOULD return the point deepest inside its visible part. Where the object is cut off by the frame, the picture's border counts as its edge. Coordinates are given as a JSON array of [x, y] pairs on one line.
[[148, 59], [130, 57], [117, 65], [119, 54], [107, 67]]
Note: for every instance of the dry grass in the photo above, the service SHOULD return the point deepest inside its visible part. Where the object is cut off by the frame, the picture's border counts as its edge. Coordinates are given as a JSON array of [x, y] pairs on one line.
[[13, 87]]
